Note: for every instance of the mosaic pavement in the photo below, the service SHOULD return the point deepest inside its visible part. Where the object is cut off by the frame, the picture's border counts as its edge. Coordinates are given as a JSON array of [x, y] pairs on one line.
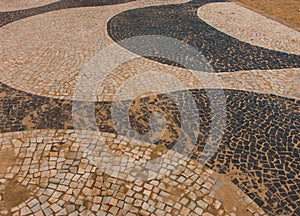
[[122, 107]]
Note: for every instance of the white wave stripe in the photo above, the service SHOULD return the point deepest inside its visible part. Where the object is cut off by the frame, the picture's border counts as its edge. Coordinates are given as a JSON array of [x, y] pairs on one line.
[[43, 54], [251, 27]]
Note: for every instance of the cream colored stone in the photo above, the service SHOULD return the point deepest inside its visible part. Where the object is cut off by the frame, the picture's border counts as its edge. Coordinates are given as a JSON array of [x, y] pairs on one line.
[[47, 59], [11, 5], [161, 198], [251, 27]]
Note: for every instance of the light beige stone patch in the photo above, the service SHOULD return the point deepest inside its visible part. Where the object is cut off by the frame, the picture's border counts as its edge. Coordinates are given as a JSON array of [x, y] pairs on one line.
[[55, 166], [281, 82], [11, 5], [137, 74], [43, 54], [48, 59], [250, 27]]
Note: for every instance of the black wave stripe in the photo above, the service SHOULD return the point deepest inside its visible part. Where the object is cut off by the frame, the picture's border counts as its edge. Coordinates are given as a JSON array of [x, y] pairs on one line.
[[260, 148], [11, 16], [180, 21]]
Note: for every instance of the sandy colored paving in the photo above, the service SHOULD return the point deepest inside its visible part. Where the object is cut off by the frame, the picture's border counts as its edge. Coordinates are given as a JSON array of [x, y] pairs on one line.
[[285, 11], [46, 169], [53, 174], [11, 5], [251, 27]]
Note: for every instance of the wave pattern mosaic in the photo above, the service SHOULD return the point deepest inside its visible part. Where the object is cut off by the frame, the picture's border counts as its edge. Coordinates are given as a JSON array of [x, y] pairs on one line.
[[122, 107]]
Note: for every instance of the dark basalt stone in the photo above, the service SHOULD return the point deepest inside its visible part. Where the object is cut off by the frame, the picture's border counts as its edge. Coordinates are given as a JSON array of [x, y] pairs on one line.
[[11, 16], [180, 21], [261, 137], [252, 145]]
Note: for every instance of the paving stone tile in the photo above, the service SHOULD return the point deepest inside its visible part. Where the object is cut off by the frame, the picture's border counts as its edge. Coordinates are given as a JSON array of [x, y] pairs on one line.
[[53, 169]]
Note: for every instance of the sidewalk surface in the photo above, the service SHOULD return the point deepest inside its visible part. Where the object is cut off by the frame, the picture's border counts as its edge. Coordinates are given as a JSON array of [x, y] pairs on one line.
[[149, 107]]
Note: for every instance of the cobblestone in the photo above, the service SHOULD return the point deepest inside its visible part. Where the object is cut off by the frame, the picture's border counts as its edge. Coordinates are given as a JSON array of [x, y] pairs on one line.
[[49, 166]]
